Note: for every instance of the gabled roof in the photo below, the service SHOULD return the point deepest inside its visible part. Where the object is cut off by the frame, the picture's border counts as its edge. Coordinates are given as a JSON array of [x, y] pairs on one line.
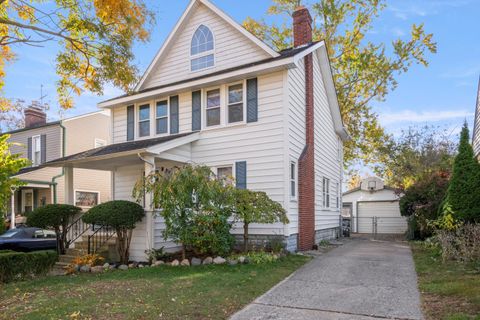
[[118, 148], [186, 14]]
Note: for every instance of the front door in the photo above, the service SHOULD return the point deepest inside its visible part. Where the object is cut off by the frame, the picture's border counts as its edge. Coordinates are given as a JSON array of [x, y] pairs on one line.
[[27, 200]]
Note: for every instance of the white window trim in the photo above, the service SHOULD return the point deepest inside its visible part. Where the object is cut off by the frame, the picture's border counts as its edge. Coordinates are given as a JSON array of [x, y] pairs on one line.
[[326, 193], [36, 163], [204, 108], [224, 106], [137, 120], [90, 191], [167, 116], [202, 54], [294, 179]]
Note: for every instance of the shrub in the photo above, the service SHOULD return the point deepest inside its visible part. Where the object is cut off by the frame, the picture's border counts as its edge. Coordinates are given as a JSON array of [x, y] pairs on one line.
[[463, 195], [3, 227], [156, 254], [25, 265], [122, 216], [260, 257], [195, 205], [461, 244], [55, 216], [256, 207]]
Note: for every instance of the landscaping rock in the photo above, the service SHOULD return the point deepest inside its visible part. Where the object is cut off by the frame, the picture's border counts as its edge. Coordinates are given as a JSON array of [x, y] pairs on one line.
[[97, 269], [85, 269], [208, 260], [219, 260], [123, 267], [196, 261], [242, 259], [140, 265], [76, 268], [133, 265], [111, 267], [185, 262], [158, 263], [175, 263], [106, 266], [232, 262]]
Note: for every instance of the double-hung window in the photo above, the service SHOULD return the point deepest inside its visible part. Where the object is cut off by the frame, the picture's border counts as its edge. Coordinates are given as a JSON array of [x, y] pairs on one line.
[[293, 180], [213, 108], [235, 103], [326, 192], [144, 120], [338, 195], [36, 151], [162, 117]]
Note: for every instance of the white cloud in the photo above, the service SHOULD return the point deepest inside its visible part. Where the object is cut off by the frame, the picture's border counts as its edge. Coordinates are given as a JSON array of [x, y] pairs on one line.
[[425, 116], [398, 32]]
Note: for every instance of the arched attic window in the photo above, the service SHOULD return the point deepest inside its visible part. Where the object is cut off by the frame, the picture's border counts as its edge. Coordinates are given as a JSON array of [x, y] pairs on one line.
[[201, 49]]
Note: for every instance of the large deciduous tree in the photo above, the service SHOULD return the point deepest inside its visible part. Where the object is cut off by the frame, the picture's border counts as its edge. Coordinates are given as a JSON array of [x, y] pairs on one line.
[[95, 39], [362, 70]]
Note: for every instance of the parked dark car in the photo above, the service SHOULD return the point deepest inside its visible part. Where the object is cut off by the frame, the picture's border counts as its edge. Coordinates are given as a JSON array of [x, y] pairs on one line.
[[28, 239]]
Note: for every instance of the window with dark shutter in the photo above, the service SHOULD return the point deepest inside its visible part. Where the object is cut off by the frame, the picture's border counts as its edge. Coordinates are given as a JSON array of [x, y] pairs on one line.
[[252, 100], [130, 123], [43, 148], [174, 120], [196, 110], [241, 174], [29, 148]]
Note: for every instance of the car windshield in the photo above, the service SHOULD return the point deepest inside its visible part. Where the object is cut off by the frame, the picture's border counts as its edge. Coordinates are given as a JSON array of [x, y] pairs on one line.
[[10, 233]]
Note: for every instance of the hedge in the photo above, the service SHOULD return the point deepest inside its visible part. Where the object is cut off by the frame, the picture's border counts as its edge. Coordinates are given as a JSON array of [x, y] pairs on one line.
[[25, 265]]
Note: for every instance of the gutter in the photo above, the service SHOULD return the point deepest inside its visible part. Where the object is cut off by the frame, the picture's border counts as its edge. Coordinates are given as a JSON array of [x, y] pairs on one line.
[[54, 179]]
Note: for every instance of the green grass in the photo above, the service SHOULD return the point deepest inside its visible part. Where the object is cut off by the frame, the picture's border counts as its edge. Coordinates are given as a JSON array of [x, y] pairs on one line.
[[203, 292], [450, 290]]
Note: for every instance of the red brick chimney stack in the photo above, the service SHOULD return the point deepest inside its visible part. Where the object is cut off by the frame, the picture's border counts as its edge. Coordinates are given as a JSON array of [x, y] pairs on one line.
[[302, 34], [34, 116], [302, 26]]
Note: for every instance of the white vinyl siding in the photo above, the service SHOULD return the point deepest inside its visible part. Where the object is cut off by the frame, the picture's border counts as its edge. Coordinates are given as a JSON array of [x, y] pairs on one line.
[[231, 49]]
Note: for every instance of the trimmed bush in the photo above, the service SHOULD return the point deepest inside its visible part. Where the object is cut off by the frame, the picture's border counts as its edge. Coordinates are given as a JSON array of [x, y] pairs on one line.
[[25, 265], [55, 216], [122, 216]]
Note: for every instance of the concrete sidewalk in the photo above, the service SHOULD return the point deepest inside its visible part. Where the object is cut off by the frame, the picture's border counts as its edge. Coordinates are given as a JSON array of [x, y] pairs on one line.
[[360, 280]]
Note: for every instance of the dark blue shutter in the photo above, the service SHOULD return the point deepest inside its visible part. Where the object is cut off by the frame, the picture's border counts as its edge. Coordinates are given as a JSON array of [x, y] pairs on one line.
[[241, 174], [174, 114], [35, 199], [130, 123], [252, 100], [196, 110], [29, 149], [43, 148]]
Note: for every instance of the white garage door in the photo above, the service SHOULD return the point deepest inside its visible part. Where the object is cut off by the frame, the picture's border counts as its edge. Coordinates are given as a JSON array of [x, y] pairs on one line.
[[389, 219]]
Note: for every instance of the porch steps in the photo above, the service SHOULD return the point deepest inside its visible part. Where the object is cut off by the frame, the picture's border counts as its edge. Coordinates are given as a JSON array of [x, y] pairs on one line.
[[79, 248]]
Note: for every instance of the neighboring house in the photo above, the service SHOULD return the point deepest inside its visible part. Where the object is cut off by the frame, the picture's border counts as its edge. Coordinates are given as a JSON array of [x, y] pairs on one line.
[[41, 141], [216, 95], [476, 126], [374, 204]]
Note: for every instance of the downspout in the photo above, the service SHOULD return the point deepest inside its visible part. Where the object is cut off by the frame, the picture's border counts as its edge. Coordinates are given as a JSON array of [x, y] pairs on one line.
[[54, 179]]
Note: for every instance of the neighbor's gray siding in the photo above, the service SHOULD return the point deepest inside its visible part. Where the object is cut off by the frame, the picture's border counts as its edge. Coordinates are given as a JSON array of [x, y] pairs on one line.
[[53, 141]]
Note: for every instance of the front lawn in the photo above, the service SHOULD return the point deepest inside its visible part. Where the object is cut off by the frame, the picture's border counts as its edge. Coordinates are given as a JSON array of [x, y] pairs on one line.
[[203, 292], [451, 290]]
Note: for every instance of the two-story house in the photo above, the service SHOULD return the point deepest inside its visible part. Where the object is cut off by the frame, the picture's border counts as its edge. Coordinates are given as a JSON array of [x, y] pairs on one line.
[[41, 141], [476, 126], [217, 95]]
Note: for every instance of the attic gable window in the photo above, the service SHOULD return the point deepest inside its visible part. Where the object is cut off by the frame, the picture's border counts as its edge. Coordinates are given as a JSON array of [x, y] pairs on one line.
[[201, 49]]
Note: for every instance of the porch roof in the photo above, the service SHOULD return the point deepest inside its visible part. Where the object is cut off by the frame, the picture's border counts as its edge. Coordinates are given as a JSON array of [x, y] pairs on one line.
[[102, 158]]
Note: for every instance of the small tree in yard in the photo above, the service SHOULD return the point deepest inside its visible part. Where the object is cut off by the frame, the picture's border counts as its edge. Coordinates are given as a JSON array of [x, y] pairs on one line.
[[122, 216], [463, 195], [256, 207], [195, 205], [55, 216]]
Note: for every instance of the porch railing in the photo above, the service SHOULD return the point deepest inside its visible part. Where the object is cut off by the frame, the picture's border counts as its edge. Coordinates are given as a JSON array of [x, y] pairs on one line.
[[75, 230], [99, 238]]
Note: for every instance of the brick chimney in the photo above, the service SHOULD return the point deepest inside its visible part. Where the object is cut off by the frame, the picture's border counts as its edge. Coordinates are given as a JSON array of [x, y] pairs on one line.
[[34, 116], [302, 26], [302, 33]]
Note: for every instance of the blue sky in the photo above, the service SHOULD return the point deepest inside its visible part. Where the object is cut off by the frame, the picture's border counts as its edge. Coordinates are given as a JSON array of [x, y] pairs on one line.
[[443, 94]]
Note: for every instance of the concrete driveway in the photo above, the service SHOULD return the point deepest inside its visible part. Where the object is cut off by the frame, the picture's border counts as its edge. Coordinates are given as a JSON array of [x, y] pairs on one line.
[[360, 280]]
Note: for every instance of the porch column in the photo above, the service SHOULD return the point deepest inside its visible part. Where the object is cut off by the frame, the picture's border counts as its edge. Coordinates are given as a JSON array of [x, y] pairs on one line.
[[12, 217], [69, 193], [149, 167]]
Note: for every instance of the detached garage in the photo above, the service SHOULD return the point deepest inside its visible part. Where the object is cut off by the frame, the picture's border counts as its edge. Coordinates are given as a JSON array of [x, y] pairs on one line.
[[374, 208]]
